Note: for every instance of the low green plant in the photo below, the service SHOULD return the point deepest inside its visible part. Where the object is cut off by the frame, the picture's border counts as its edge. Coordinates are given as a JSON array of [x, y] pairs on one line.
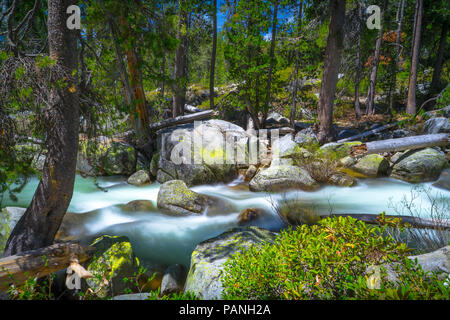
[[329, 261]]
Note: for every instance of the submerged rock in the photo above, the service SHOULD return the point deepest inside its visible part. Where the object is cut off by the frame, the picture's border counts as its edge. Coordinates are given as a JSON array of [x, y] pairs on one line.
[[175, 198], [139, 178], [444, 181], [138, 206], [419, 165], [204, 277], [283, 177], [173, 280]]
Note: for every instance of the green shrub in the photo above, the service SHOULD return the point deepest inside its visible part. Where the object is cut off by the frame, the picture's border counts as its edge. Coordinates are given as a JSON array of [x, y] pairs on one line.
[[329, 261]]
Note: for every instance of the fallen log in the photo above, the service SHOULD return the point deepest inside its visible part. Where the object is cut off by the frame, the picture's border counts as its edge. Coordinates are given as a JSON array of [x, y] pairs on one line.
[[41, 262], [400, 144], [192, 109], [182, 120], [413, 221], [369, 133]]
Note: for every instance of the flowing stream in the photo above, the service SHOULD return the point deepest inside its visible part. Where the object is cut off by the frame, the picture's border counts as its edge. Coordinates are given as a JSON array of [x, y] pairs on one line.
[[163, 240]]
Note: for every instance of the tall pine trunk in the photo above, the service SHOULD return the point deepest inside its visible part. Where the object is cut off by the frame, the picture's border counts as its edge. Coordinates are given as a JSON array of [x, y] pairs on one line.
[[272, 62], [38, 226], [358, 63], [179, 87], [411, 106], [370, 100], [400, 13], [297, 66], [332, 63], [439, 59], [213, 55]]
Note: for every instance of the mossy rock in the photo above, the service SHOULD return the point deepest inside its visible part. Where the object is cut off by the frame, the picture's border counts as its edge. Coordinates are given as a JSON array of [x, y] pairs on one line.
[[175, 198], [372, 166], [282, 177], [139, 178], [205, 272], [106, 157], [113, 261], [339, 149], [419, 166]]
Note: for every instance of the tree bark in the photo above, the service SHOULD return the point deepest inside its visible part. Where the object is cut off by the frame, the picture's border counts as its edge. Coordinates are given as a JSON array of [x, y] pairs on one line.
[[179, 87], [17, 269], [297, 66], [332, 63], [38, 226], [358, 64], [439, 59], [400, 13], [213, 56], [411, 105], [272, 61], [370, 100], [369, 133], [401, 144]]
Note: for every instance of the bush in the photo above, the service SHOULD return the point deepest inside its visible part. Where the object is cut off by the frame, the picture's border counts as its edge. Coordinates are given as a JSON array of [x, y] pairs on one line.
[[329, 261], [320, 164]]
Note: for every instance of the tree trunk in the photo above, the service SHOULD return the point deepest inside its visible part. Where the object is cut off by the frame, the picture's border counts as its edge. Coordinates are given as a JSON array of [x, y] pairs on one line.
[[400, 13], [179, 87], [411, 106], [38, 226], [297, 65], [139, 115], [401, 144], [332, 63], [358, 64], [213, 56], [272, 61], [439, 59], [370, 100]]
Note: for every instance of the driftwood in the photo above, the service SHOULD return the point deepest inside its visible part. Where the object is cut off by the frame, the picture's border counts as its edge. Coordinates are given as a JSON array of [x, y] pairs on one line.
[[368, 133], [413, 221], [41, 262], [400, 144], [182, 120]]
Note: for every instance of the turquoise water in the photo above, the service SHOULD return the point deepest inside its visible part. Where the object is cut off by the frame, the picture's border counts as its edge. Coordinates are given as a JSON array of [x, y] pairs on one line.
[[164, 240]]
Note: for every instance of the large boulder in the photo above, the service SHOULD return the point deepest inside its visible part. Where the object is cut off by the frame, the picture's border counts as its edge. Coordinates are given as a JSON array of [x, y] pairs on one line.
[[204, 277], [372, 166], [282, 177], [106, 157], [175, 198], [419, 165], [183, 158], [436, 125], [437, 261], [113, 261]]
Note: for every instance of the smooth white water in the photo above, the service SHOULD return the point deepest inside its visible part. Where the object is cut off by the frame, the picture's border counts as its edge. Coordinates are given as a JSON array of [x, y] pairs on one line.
[[163, 240]]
